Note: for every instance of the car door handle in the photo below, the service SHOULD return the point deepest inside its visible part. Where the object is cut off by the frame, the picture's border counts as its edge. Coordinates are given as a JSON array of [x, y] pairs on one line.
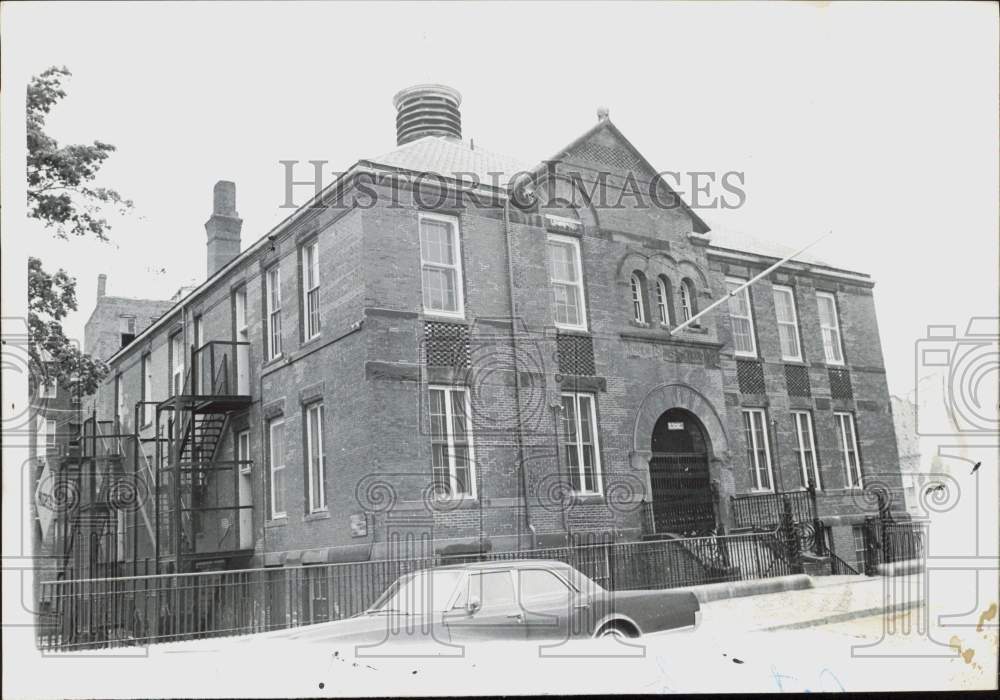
[[516, 616]]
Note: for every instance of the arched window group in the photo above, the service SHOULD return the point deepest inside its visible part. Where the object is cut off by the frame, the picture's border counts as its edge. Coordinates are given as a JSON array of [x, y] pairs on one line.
[[662, 310]]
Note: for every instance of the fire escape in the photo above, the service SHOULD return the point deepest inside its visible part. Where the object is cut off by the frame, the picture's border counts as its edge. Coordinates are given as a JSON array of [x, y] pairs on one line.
[[197, 480]]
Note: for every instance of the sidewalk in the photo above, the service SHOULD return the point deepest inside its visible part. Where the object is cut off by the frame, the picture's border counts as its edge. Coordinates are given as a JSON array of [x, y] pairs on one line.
[[830, 599]]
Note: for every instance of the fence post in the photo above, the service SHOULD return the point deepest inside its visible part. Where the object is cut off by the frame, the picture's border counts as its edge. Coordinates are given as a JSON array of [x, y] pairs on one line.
[[790, 536], [819, 547]]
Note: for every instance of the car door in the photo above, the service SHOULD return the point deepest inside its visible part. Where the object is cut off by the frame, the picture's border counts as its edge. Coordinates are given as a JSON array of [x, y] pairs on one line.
[[552, 608], [487, 609]]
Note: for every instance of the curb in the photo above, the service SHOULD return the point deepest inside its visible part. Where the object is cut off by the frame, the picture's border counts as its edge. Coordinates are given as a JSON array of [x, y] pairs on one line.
[[710, 592], [842, 617]]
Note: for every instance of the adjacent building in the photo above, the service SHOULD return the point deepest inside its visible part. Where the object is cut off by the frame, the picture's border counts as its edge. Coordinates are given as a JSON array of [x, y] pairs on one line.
[[451, 348]]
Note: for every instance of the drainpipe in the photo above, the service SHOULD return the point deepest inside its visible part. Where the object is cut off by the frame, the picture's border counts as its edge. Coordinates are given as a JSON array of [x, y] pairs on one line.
[[517, 375]]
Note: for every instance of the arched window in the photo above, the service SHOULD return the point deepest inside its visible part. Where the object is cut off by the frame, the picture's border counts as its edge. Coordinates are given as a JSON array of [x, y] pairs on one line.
[[663, 299], [638, 308], [688, 309]]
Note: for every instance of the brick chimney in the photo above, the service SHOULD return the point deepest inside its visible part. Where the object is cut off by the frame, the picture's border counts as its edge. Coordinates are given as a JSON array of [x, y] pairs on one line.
[[223, 228], [102, 285]]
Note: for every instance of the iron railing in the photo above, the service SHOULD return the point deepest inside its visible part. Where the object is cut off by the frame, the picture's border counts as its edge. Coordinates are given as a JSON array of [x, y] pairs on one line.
[[839, 567], [887, 541], [764, 510], [123, 611], [215, 368]]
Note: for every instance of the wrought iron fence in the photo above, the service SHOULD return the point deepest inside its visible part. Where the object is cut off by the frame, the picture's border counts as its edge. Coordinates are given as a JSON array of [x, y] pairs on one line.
[[887, 541], [134, 610], [763, 510], [839, 567]]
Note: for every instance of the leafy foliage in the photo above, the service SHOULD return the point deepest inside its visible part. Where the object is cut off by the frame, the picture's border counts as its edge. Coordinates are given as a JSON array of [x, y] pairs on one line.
[[50, 298], [60, 189]]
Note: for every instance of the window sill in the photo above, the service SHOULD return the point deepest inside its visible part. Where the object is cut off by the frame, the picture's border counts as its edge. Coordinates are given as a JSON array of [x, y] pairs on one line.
[[279, 521], [272, 362], [312, 340], [443, 315], [587, 497], [572, 330], [316, 515], [640, 324]]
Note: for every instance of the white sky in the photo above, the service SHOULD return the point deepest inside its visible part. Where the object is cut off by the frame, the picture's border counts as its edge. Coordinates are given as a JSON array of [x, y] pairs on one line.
[[877, 121]]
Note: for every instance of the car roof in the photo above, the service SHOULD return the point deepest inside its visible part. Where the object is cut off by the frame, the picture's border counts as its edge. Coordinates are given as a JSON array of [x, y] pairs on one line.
[[507, 564]]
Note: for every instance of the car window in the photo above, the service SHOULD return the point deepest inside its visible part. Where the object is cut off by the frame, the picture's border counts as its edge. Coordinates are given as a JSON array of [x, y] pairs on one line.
[[415, 593], [539, 584], [463, 596], [494, 588]]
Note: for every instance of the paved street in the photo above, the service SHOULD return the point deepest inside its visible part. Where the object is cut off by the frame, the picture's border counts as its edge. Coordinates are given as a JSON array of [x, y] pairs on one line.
[[727, 653]]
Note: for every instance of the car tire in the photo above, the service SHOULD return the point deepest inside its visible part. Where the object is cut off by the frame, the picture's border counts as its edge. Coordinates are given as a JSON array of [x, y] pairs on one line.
[[616, 631]]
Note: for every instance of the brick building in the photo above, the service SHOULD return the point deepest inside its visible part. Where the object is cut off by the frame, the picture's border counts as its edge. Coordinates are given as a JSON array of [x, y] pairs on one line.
[[450, 347]]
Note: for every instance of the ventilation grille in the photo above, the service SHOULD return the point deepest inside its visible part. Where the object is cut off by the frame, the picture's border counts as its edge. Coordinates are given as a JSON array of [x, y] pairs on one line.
[[751, 376], [840, 384], [614, 157], [446, 345], [576, 354], [797, 380]]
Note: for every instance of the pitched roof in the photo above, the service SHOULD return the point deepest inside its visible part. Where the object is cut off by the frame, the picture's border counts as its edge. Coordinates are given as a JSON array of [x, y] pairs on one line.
[[446, 157]]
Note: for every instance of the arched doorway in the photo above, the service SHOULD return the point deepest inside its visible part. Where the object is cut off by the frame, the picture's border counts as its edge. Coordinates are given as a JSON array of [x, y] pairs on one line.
[[683, 500]]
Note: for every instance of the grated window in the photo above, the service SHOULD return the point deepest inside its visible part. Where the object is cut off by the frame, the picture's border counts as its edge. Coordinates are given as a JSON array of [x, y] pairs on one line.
[[797, 380], [751, 377], [447, 345], [576, 354], [840, 384]]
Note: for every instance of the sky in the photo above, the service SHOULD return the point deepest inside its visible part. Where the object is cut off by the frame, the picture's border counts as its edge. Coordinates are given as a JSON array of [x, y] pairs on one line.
[[876, 121]]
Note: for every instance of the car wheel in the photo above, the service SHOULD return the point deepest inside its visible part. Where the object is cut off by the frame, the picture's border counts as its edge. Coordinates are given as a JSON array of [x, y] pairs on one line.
[[616, 632]]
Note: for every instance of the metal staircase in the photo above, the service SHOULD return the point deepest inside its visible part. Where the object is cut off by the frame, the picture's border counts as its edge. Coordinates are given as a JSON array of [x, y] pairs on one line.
[[197, 491]]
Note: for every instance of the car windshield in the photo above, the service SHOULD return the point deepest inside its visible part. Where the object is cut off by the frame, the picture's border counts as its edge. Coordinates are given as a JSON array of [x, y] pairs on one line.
[[418, 593]]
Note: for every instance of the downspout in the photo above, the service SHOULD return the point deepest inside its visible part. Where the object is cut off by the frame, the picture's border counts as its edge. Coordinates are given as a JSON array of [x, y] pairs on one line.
[[517, 374]]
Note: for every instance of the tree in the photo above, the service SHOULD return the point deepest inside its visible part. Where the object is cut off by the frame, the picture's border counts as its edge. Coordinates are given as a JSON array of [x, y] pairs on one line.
[[51, 354], [60, 189], [63, 196]]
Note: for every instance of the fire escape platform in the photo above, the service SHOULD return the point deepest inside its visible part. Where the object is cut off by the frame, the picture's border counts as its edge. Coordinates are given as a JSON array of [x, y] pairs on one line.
[[212, 403]]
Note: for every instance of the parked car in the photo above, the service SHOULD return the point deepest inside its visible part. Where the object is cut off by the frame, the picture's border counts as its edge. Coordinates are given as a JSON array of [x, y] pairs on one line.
[[516, 600]]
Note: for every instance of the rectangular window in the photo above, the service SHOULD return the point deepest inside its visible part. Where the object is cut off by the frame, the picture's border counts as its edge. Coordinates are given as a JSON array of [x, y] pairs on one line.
[[566, 277], [806, 449], [315, 460], [126, 329], [451, 442], [441, 265], [859, 547], [788, 323], [849, 448], [120, 400], [147, 389], [310, 289], [317, 581], [272, 294], [830, 326], [742, 318], [177, 360], [276, 443], [50, 433], [582, 455], [120, 524], [758, 449], [199, 358]]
